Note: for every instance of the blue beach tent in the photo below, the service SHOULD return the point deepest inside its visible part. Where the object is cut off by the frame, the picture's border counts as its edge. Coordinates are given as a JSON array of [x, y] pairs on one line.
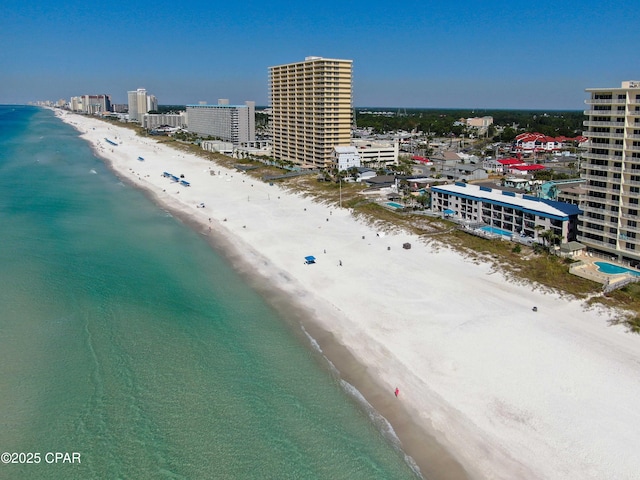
[[309, 260]]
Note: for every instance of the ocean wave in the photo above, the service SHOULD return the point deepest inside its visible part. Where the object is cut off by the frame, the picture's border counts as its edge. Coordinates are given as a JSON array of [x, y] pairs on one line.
[[382, 424], [316, 346]]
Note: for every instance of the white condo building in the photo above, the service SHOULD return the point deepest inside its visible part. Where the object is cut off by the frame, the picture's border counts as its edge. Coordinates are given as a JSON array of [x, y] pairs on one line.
[[151, 121], [509, 213], [610, 222], [376, 153], [91, 104], [311, 104], [230, 123], [140, 102]]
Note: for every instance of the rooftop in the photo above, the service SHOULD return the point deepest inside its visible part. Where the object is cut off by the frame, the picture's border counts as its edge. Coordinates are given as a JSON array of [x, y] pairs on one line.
[[546, 208]]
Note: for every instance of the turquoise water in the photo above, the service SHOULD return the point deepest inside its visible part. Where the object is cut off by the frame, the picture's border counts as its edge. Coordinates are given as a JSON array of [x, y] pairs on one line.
[[497, 231], [395, 205], [611, 269], [126, 338]]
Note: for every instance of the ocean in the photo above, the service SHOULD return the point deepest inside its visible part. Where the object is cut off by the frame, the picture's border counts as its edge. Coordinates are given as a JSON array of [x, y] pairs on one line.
[[130, 349]]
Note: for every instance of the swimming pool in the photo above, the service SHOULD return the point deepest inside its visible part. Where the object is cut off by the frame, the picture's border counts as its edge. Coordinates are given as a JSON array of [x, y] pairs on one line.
[[395, 205], [497, 231], [611, 269]]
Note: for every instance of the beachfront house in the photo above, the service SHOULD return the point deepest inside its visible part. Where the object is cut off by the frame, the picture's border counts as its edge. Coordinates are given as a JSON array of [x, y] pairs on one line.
[[345, 158], [517, 214]]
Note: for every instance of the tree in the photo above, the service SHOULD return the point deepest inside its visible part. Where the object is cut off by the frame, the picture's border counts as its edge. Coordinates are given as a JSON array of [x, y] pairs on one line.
[[549, 237], [508, 134], [424, 199], [352, 172]]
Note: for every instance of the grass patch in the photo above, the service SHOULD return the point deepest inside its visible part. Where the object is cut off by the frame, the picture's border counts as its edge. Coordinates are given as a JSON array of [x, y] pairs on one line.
[[626, 298]]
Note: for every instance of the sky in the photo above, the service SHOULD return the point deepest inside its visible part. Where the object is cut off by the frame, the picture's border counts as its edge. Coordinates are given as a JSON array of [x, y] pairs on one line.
[[411, 54]]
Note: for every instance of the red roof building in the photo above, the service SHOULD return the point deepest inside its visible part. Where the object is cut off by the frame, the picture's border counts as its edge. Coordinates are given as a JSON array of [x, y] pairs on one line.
[[537, 142], [507, 162]]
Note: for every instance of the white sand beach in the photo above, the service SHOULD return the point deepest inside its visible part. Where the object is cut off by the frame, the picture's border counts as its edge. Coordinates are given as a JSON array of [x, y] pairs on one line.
[[509, 393]]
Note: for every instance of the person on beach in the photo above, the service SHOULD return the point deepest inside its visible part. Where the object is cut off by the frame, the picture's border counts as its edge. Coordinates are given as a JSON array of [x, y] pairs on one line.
[[397, 392]]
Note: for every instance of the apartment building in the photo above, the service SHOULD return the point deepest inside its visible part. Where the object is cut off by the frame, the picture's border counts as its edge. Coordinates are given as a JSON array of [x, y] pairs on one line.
[[377, 154], [512, 213], [90, 104], [140, 102], [479, 122], [151, 121], [230, 123], [610, 222], [311, 105]]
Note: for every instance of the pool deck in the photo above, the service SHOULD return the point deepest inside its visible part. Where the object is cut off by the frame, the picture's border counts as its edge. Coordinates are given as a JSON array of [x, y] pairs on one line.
[[586, 268]]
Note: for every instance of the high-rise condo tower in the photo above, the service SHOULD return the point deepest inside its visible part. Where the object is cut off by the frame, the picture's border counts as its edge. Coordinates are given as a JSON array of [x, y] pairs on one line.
[[311, 104], [610, 222]]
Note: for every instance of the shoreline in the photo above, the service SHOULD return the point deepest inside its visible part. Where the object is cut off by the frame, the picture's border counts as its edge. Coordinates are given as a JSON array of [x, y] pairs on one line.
[[436, 463], [407, 319]]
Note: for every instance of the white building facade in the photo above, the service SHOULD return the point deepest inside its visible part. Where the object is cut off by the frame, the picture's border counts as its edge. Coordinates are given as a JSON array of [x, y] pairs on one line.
[[230, 123], [90, 104], [140, 102], [516, 213], [346, 157], [377, 154], [151, 121]]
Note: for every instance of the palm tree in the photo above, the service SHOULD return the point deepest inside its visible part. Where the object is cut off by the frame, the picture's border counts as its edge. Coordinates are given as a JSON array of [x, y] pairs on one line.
[[550, 238]]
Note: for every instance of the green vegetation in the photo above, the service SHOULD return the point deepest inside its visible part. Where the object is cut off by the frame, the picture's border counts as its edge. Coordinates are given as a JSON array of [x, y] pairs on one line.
[[440, 123], [549, 174], [170, 109]]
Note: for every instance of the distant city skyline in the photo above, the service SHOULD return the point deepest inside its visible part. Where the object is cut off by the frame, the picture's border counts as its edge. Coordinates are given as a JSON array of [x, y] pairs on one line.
[[427, 54]]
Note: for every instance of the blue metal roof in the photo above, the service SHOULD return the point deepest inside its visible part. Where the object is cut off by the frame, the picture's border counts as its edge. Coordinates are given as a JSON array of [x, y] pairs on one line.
[[566, 208]]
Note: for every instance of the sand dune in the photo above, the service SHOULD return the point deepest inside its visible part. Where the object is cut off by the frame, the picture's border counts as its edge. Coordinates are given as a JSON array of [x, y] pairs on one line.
[[509, 393]]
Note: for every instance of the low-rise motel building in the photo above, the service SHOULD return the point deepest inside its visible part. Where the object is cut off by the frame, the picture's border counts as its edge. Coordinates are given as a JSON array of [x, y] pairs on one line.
[[519, 214]]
